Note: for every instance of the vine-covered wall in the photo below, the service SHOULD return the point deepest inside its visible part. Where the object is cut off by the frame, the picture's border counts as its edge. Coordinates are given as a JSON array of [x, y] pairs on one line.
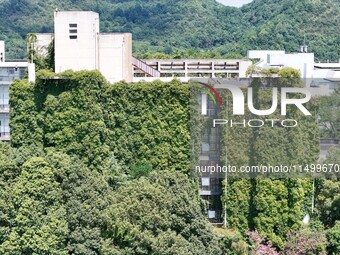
[[80, 113]]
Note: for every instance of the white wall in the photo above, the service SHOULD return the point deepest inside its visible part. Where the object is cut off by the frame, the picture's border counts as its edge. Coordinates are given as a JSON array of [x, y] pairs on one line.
[[76, 54], [263, 55], [110, 53], [303, 62], [42, 44], [243, 67], [115, 56]]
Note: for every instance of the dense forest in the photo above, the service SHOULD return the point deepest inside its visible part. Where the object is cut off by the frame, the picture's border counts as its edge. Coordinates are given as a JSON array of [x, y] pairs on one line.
[[95, 168], [190, 28]]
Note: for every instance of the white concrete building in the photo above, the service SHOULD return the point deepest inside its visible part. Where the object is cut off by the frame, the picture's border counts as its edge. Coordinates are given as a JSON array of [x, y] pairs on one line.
[[321, 77], [79, 45], [303, 62], [329, 71], [263, 55], [115, 56], [9, 71], [76, 37]]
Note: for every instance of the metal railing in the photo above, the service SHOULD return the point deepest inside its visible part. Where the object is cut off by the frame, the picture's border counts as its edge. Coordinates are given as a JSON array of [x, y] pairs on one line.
[[145, 68], [330, 141]]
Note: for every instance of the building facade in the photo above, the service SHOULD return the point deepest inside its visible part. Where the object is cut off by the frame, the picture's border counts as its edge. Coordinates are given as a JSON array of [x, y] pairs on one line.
[[9, 71], [79, 45]]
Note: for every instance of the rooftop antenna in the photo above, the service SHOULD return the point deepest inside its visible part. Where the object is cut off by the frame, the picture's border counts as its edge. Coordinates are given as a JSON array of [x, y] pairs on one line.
[[304, 47]]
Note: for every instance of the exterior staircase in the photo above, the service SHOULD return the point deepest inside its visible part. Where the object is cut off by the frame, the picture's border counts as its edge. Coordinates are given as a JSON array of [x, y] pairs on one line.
[[150, 71]]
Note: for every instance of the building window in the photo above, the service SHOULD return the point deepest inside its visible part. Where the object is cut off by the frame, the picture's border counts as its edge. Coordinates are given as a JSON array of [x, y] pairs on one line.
[[73, 31]]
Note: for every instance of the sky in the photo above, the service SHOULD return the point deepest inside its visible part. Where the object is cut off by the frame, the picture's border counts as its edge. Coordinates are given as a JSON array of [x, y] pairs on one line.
[[237, 3]]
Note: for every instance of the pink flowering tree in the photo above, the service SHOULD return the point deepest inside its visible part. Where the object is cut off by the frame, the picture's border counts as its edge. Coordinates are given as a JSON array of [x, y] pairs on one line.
[[261, 246], [305, 242]]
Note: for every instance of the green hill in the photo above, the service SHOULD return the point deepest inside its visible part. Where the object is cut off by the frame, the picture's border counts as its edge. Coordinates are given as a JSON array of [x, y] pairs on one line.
[[181, 27], [285, 23]]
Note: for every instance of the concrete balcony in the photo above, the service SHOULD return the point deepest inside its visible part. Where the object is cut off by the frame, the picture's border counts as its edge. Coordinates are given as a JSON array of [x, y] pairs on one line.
[[4, 108], [210, 192], [5, 137]]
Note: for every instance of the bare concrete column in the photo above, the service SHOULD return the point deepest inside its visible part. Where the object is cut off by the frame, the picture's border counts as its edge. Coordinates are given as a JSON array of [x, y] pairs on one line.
[[186, 69], [213, 69]]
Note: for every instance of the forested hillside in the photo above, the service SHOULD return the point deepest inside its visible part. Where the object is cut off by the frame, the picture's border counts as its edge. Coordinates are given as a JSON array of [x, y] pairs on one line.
[[183, 28]]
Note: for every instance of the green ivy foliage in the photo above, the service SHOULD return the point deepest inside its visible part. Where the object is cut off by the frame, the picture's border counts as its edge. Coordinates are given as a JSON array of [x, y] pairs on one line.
[[270, 206], [25, 120], [79, 113], [148, 123], [333, 236]]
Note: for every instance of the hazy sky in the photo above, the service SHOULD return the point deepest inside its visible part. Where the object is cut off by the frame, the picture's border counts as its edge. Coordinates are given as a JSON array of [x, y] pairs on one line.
[[237, 3]]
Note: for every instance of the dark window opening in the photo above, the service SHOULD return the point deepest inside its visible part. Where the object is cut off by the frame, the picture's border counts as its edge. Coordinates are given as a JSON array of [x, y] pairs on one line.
[[73, 25], [73, 31], [73, 37]]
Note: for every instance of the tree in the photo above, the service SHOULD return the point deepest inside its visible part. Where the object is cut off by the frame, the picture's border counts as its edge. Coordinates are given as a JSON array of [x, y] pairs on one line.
[[51, 204], [330, 115], [160, 215], [333, 236], [289, 73], [327, 192], [261, 246], [37, 223], [31, 40], [305, 242], [85, 196]]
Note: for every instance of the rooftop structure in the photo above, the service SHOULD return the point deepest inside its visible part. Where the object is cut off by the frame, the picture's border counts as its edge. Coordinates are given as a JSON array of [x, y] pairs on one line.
[[79, 45], [324, 77], [186, 69], [303, 62]]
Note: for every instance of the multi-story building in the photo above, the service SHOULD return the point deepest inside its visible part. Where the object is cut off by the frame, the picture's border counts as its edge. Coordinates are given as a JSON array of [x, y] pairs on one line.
[[79, 45], [9, 71]]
